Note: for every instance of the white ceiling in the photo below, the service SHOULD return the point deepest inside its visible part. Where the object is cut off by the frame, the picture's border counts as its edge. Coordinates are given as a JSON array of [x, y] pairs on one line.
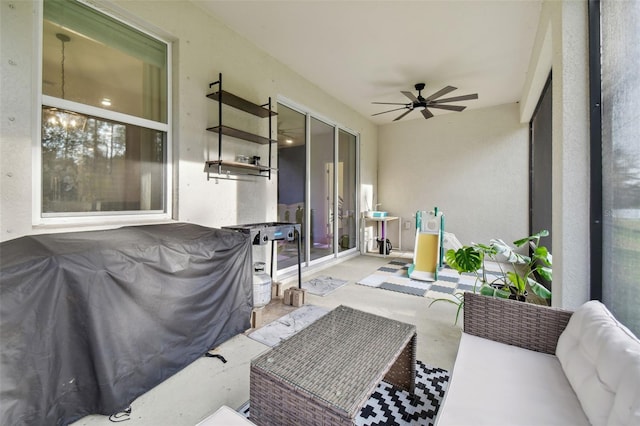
[[364, 51]]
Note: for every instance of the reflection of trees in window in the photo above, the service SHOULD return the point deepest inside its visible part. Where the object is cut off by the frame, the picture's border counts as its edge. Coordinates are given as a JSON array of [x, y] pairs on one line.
[[63, 141], [87, 164], [110, 141]]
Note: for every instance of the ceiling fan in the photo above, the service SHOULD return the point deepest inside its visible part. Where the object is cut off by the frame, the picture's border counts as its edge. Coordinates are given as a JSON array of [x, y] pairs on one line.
[[294, 132], [290, 136], [423, 104]]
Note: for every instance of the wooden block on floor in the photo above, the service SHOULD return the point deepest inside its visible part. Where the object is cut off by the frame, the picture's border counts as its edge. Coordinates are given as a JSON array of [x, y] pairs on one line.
[[256, 317], [276, 290], [288, 296], [295, 296], [298, 297]]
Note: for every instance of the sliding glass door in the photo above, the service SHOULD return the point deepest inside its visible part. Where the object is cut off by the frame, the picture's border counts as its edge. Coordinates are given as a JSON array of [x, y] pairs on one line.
[[321, 194], [317, 185], [346, 186], [292, 172]]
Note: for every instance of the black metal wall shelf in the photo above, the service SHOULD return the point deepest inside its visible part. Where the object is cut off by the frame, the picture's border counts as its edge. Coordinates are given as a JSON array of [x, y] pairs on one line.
[[237, 102], [241, 134], [220, 166]]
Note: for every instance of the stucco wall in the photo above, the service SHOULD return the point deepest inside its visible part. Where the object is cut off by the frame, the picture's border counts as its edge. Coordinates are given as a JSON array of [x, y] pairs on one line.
[[562, 46], [202, 48], [473, 166], [571, 153], [17, 92]]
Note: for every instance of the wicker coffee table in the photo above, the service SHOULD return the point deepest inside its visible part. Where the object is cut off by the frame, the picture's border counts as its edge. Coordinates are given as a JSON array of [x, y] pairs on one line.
[[324, 374]]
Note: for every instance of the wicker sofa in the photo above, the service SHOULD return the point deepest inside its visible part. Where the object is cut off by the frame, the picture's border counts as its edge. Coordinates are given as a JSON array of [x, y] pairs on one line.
[[525, 364]]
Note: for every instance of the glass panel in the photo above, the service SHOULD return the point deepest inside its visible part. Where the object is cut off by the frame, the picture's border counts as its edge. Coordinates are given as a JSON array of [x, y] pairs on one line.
[[95, 165], [621, 159], [540, 171], [346, 190], [93, 59], [321, 181], [291, 179]]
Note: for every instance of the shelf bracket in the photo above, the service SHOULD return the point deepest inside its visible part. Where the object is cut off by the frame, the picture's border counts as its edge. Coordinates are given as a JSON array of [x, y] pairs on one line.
[[270, 143]]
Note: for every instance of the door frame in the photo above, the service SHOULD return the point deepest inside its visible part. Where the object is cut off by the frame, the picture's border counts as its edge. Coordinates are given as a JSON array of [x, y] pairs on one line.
[[336, 253]]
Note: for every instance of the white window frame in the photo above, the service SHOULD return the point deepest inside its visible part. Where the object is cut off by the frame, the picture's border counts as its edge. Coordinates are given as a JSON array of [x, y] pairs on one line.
[[99, 218]]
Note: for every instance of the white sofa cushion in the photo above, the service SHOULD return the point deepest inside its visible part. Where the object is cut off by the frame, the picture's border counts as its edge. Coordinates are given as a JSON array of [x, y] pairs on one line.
[[497, 384], [601, 359], [225, 416]]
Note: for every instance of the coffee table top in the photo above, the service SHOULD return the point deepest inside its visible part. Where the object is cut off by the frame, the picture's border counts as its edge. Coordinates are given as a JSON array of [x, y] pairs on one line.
[[340, 358]]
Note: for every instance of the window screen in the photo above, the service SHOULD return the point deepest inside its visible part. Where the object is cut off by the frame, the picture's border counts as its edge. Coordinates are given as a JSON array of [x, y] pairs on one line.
[[620, 53]]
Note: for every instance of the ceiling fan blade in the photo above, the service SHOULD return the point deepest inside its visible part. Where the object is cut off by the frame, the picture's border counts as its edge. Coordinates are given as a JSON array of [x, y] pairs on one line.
[[410, 96], [390, 103], [449, 107], [457, 98], [427, 113], [391, 110], [441, 92], [403, 114]]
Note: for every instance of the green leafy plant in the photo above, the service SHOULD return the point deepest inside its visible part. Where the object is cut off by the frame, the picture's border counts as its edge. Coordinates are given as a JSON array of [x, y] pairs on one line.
[[524, 272], [459, 302]]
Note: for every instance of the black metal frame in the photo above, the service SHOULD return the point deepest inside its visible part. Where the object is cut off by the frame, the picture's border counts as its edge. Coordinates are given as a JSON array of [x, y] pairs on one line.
[[261, 233], [270, 117], [296, 234], [595, 112]]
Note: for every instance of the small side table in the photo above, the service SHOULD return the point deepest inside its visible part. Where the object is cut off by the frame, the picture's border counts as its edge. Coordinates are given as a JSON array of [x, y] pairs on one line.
[[382, 221]]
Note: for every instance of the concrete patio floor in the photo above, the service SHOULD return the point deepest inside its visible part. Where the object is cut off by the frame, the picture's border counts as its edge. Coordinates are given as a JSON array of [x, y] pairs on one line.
[[205, 385]]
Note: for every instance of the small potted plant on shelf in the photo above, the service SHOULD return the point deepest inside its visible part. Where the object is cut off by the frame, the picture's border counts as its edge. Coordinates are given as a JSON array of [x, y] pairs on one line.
[[524, 272]]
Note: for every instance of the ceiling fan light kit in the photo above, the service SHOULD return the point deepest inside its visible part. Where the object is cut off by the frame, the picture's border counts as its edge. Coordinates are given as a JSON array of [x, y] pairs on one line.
[[423, 104]]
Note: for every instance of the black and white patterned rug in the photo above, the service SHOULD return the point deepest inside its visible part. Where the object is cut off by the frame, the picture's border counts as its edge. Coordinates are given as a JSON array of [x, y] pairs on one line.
[[394, 276], [390, 406]]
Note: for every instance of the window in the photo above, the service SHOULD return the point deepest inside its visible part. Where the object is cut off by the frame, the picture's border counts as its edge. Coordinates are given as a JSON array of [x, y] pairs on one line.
[[540, 170], [105, 115], [619, 80]]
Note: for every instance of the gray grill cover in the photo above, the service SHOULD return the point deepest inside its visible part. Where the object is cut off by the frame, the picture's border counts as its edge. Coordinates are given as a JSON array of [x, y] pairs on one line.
[[91, 320]]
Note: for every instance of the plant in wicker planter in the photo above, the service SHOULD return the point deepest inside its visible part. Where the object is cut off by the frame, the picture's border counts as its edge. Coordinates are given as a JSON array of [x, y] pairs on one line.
[[523, 275]]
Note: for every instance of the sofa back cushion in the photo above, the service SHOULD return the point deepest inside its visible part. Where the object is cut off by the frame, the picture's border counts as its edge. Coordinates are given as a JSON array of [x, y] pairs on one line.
[[601, 359]]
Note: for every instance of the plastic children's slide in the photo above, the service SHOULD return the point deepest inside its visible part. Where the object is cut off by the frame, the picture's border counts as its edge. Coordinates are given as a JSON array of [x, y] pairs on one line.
[[428, 250]]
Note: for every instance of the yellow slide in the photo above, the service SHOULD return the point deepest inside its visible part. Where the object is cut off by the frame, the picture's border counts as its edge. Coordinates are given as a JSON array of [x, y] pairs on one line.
[[426, 253]]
